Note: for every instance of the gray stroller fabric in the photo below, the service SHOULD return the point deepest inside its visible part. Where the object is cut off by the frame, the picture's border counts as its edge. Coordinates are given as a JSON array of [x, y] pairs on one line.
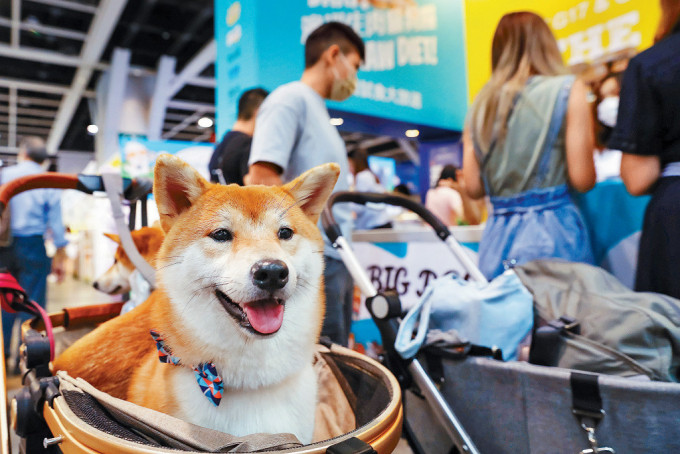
[[149, 427], [518, 407], [621, 332]]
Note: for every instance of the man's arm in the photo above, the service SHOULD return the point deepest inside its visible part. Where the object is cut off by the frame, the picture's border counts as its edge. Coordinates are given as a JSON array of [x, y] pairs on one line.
[[56, 226], [276, 131], [264, 173]]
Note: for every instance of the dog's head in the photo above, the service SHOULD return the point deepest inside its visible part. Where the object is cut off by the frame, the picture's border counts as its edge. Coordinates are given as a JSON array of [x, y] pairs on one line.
[[243, 266], [116, 280]]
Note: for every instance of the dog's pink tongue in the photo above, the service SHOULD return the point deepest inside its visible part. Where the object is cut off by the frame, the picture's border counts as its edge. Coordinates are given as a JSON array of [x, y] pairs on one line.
[[265, 316]]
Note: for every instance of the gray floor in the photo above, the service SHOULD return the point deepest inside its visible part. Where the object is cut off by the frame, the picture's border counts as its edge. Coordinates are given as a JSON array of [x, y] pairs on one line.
[[71, 293]]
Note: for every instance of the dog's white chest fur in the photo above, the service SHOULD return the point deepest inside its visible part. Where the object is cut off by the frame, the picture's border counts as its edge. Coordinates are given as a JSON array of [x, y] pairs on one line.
[[286, 407]]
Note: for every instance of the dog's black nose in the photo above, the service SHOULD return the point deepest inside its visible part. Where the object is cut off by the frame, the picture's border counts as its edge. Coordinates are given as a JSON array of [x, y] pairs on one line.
[[269, 274], [96, 285]]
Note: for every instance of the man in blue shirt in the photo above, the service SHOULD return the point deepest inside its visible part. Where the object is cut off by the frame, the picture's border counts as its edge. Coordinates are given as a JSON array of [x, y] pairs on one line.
[[294, 134], [34, 214]]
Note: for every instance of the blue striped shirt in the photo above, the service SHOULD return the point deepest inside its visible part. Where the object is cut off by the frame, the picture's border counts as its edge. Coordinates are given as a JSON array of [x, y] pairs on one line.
[[36, 211]]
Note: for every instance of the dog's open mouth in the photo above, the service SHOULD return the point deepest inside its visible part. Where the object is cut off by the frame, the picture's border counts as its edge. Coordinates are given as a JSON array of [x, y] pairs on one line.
[[262, 317]]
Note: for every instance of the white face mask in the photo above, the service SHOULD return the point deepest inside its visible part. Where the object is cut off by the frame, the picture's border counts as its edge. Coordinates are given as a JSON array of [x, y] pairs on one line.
[[607, 111], [343, 88]]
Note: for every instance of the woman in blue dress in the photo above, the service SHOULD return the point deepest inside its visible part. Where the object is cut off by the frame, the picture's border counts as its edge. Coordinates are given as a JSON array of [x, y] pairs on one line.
[[527, 141]]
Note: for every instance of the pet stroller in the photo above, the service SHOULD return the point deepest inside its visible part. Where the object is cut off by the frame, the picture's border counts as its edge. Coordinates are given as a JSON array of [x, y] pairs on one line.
[[359, 400], [469, 404]]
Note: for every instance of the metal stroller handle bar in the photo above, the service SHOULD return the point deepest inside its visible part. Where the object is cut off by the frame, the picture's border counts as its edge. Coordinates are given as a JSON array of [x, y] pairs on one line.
[[52, 180], [441, 230], [363, 198]]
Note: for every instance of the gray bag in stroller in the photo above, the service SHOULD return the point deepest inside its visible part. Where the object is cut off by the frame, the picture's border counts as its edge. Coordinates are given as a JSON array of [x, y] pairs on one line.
[[592, 322]]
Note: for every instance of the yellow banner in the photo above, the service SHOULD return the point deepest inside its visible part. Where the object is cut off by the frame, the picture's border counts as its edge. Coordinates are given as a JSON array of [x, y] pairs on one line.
[[586, 31]]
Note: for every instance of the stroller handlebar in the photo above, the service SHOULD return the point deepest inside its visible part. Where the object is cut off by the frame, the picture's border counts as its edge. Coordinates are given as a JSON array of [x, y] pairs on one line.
[[332, 230], [53, 180], [43, 180]]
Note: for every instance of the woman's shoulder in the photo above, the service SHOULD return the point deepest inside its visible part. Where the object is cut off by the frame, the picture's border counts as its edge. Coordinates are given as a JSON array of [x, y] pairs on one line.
[[547, 82]]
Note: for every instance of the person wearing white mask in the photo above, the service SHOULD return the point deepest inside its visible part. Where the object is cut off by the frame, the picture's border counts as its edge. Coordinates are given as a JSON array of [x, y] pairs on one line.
[[294, 134], [608, 161]]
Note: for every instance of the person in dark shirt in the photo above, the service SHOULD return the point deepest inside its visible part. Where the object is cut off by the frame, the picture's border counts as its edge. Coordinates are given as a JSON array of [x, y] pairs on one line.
[[648, 133], [229, 162]]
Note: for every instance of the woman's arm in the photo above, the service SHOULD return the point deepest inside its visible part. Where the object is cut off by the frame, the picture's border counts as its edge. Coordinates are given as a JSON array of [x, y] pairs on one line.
[[638, 132], [471, 171], [580, 139], [639, 173]]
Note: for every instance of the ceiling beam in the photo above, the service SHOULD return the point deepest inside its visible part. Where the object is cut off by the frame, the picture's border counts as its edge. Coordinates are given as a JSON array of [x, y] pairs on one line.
[[191, 127], [27, 121], [57, 58], [206, 56], [38, 87], [14, 23], [190, 105], [410, 150], [44, 29], [205, 137], [101, 28], [174, 117], [181, 126], [207, 82], [44, 56], [65, 4], [184, 136], [33, 130], [24, 111], [12, 140], [25, 100]]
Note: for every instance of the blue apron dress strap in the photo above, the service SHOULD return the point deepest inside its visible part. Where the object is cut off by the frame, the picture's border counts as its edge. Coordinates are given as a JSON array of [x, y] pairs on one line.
[[556, 121]]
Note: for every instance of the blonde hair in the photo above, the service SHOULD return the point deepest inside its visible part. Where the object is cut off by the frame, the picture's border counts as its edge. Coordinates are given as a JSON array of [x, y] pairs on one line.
[[523, 45], [670, 14]]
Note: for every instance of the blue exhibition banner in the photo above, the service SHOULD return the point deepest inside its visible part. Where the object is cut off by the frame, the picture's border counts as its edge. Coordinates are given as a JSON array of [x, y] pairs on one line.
[[415, 55]]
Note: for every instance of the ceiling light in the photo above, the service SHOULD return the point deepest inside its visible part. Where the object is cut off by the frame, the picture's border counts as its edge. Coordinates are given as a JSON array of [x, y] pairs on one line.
[[337, 121], [412, 133], [205, 122], [93, 129]]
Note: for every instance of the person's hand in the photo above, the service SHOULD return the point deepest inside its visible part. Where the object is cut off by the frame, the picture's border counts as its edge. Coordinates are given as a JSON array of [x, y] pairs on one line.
[[263, 173], [59, 264]]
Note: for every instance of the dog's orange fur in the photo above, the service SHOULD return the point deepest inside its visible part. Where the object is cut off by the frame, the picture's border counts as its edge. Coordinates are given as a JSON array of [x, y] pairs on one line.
[[148, 241], [119, 357]]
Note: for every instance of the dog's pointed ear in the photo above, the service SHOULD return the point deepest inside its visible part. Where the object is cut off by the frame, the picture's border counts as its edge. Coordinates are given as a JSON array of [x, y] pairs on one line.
[[312, 188], [176, 187], [112, 236]]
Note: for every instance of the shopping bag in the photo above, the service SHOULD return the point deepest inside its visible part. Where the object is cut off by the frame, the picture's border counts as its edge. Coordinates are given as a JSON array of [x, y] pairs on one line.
[[494, 314]]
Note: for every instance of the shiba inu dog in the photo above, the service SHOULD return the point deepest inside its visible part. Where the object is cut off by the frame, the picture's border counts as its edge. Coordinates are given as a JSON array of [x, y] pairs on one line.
[[227, 340], [116, 280]]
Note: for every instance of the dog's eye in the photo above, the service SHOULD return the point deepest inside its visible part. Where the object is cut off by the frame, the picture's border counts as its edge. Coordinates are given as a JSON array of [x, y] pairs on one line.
[[285, 233], [221, 235]]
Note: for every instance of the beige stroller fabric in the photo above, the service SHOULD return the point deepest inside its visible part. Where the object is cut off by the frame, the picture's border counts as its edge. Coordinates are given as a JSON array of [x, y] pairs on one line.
[[334, 417], [174, 432]]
